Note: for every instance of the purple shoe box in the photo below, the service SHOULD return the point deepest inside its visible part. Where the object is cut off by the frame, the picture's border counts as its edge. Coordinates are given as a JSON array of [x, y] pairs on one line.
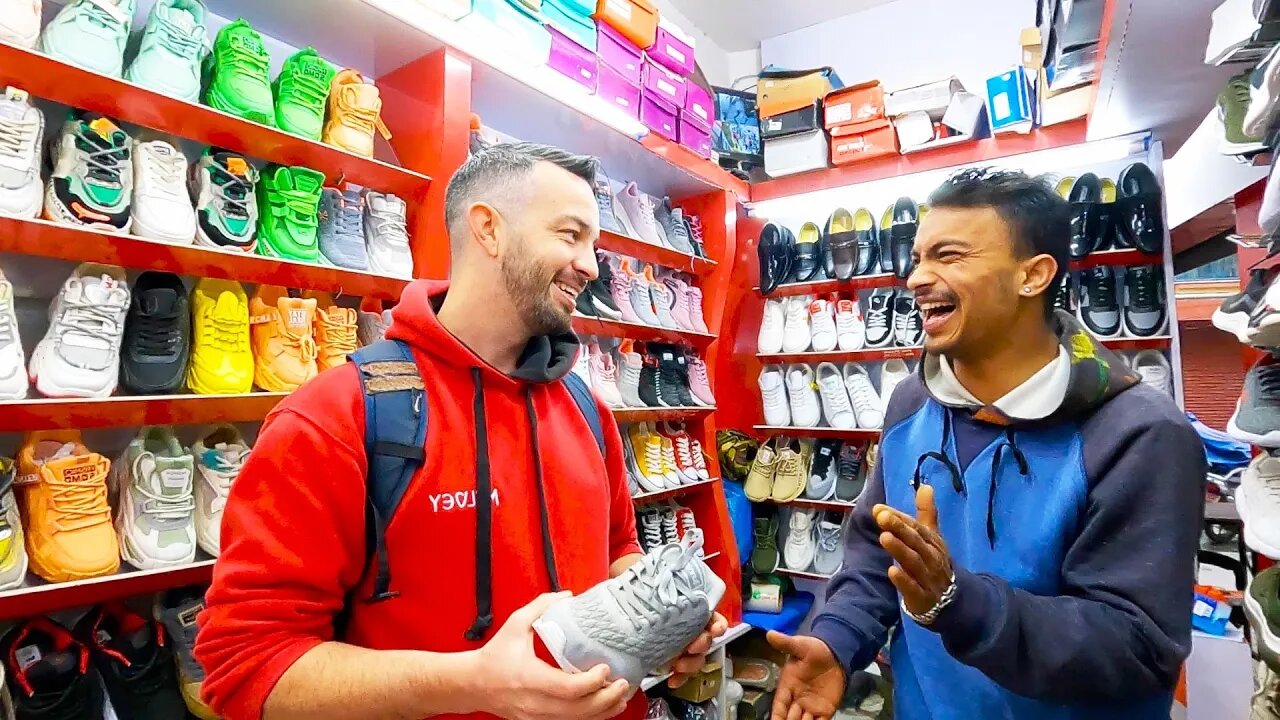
[[660, 82], [619, 53], [572, 60], [699, 109], [694, 137], [660, 116], [617, 89], [673, 49]]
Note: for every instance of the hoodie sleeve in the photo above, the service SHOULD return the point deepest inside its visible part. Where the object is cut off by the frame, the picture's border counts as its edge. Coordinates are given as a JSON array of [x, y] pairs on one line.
[[1120, 626], [622, 517]]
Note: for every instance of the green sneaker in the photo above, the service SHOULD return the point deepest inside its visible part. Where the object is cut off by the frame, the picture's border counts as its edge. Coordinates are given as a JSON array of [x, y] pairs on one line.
[[172, 50], [302, 90], [764, 557], [237, 75], [1233, 103], [288, 205], [1262, 607]]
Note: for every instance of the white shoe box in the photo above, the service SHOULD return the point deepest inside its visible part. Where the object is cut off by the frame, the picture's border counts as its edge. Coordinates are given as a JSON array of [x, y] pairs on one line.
[[796, 153]]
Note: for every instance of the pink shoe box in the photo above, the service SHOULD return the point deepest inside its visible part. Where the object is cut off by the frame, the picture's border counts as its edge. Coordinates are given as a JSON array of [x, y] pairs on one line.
[[659, 116], [673, 48], [620, 91], [619, 53], [694, 137], [660, 82], [572, 60], [699, 108]]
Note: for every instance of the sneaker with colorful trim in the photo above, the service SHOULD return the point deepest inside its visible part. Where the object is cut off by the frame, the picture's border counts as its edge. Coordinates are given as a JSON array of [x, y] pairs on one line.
[[336, 331], [135, 661], [223, 186], [48, 672], [154, 517], [219, 456], [284, 345], [92, 179], [79, 356], [177, 610], [289, 203]]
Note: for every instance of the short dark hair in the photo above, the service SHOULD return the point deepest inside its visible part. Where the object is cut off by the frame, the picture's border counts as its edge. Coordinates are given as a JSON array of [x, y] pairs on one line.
[[501, 168], [1039, 219]]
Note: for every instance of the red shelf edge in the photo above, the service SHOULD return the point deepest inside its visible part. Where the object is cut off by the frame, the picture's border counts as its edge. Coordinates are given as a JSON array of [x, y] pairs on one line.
[[134, 411], [818, 432], [650, 253], [602, 327], [42, 599], [648, 498], [696, 165], [634, 415]]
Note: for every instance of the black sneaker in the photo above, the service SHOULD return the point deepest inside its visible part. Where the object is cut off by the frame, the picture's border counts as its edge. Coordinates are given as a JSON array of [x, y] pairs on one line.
[[601, 295], [850, 477], [135, 660], [908, 325], [1098, 298], [878, 318], [585, 306], [669, 380], [650, 380], [1144, 301], [48, 673], [1233, 314], [1064, 296], [822, 470], [682, 388], [157, 335]]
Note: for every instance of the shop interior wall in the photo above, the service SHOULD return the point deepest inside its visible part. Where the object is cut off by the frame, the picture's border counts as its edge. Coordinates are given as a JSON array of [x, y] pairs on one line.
[[1213, 372]]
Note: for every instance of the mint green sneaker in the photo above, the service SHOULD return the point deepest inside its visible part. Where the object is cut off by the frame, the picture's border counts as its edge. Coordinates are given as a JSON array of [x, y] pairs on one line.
[[288, 207], [90, 34], [302, 90], [173, 47], [237, 73]]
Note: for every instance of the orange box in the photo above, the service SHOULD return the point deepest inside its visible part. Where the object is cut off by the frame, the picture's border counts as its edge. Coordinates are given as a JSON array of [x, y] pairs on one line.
[[781, 91], [864, 141], [637, 20], [855, 104]]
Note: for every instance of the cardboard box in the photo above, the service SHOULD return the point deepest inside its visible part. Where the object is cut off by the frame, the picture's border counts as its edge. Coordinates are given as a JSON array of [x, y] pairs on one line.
[[796, 153], [780, 91], [789, 123], [965, 120], [932, 98], [858, 143], [1010, 98], [855, 104], [703, 686], [1064, 105], [1032, 48]]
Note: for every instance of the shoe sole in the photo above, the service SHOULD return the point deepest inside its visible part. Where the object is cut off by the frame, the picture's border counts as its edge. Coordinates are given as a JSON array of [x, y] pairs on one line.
[[203, 240], [1269, 440], [1267, 642], [55, 211], [1235, 323]]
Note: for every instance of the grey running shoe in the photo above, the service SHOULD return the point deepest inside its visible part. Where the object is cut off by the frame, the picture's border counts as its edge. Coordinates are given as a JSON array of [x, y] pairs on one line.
[[371, 327], [638, 621], [1098, 301], [342, 227], [629, 380], [672, 222], [1257, 416], [604, 199], [387, 234], [642, 300], [663, 300], [830, 554], [177, 611], [1144, 300], [851, 475]]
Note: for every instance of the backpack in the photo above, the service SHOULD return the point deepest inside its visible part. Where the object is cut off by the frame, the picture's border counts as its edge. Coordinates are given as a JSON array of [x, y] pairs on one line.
[[395, 429]]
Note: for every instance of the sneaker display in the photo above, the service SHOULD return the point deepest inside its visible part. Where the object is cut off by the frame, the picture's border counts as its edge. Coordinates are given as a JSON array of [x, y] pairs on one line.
[[797, 333], [171, 54], [1262, 608], [1233, 104], [879, 317], [829, 550], [604, 377], [289, 204], [387, 233], [1233, 314], [604, 200], [62, 497], [823, 470], [1258, 502], [355, 113], [1154, 369], [764, 471], [157, 335], [341, 227], [892, 372], [135, 661], [850, 473], [638, 209], [92, 179], [672, 221], [301, 91], [21, 130], [284, 345], [48, 672], [638, 621], [868, 407], [1099, 301], [908, 325], [835, 399], [155, 480], [79, 356], [1257, 416], [801, 545], [850, 331], [773, 397], [90, 34], [802, 393], [20, 23], [769, 340], [13, 551], [219, 456], [223, 185], [236, 75], [1144, 300], [13, 361], [221, 357], [764, 554], [792, 474], [161, 207], [822, 322]]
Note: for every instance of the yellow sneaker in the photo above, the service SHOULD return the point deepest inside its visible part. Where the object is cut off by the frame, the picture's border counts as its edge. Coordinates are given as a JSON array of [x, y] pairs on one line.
[[335, 331], [284, 344], [221, 358], [13, 553], [355, 109], [792, 475], [764, 470]]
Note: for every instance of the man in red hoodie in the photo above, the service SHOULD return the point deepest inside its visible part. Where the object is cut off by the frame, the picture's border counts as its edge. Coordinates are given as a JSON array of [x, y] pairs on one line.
[[492, 345]]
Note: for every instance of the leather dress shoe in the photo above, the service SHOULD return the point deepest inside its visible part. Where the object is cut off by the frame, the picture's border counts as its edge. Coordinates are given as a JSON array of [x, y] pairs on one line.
[[808, 253], [906, 218], [867, 236], [768, 249], [886, 240], [841, 256], [1086, 214], [1140, 210]]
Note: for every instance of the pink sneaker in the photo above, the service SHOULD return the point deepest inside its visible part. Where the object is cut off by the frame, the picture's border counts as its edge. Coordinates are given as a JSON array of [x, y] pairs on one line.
[[699, 383], [604, 377], [695, 309], [638, 208], [620, 288], [680, 310], [695, 234]]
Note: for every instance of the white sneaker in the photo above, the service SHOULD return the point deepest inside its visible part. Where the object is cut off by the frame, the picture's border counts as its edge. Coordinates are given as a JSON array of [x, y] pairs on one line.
[[582, 365], [769, 342], [829, 550], [154, 517], [161, 206], [796, 334], [835, 399], [219, 457], [1264, 95], [892, 372], [1154, 369], [806, 411], [386, 232], [800, 548], [1258, 502], [21, 131], [879, 325], [850, 332], [867, 407], [773, 396], [822, 321], [638, 209], [604, 377], [13, 361], [80, 354], [20, 22]]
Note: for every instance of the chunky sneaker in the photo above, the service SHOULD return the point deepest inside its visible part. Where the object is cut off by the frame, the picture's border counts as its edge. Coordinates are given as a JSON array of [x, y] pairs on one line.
[[221, 359], [289, 203], [284, 345], [13, 553], [1099, 301], [355, 113], [764, 554], [21, 130], [764, 471], [850, 475], [806, 410], [892, 373], [20, 22], [638, 208], [797, 333], [1144, 300], [823, 470], [13, 361], [835, 399], [92, 179], [48, 672], [1258, 501], [135, 661], [342, 227], [62, 496], [700, 383], [336, 331], [638, 621], [772, 327], [301, 91], [793, 472], [879, 318], [157, 335], [79, 356], [830, 551], [801, 545], [908, 326], [867, 406], [371, 326], [172, 51], [90, 34], [672, 220], [1154, 369], [219, 457], [1257, 416], [177, 610], [604, 377], [1262, 607], [236, 75], [154, 519], [223, 186], [387, 232], [161, 206]]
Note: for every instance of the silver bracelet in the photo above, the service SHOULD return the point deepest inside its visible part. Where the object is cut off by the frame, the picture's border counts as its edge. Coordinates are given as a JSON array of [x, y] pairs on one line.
[[931, 614]]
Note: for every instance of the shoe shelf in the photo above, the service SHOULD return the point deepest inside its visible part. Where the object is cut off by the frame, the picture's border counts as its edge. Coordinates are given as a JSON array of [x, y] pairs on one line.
[[856, 434], [802, 574], [78, 244], [696, 165], [1127, 256], [655, 254], [1158, 342], [602, 327], [135, 411], [657, 414], [648, 498], [50, 79], [840, 356], [822, 287], [835, 505], [43, 598]]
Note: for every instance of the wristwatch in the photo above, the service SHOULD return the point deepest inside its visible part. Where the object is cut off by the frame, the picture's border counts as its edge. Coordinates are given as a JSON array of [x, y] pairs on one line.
[[929, 616]]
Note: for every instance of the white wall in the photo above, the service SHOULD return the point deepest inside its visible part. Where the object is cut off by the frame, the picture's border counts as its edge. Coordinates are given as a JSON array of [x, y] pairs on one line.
[[713, 59]]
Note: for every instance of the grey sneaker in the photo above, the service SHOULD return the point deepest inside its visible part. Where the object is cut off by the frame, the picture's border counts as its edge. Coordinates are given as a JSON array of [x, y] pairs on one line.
[[823, 470], [673, 224], [371, 327], [830, 555], [851, 474], [629, 380], [663, 299], [342, 227], [1257, 416], [177, 611], [604, 199], [637, 622], [642, 300], [386, 232]]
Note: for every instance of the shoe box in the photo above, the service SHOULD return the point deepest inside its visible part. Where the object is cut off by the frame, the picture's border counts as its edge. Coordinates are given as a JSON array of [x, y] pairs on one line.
[[673, 49], [635, 20], [781, 91], [1012, 101], [802, 120], [511, 24], [572, 18], [569, 58], [860, 130], [796, 153], [696, 120], [965, 119]]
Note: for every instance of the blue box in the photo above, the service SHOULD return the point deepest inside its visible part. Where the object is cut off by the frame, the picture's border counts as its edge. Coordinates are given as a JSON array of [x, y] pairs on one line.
[[573, 19], [1011, 102]]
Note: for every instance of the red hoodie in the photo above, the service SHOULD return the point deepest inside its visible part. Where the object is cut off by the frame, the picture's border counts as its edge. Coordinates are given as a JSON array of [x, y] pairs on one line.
[[293, 537]]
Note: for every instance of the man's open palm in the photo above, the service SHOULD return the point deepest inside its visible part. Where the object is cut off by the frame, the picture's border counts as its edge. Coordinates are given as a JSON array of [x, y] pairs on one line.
[[812, 683]]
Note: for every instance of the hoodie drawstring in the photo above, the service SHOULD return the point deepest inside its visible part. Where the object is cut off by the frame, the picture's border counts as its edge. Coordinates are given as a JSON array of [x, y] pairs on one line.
[[957, 478], [1024, 469], [548, 553]]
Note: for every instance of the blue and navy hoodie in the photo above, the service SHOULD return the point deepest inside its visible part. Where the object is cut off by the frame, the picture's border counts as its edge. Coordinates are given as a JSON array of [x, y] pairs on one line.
[[1072, 510]]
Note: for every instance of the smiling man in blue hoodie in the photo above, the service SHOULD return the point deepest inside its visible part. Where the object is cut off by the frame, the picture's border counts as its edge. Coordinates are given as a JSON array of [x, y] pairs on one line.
[[1027, 539]]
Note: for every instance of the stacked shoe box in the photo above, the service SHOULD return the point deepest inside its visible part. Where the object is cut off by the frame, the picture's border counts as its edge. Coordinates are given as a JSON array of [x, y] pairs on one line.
[[790, 103], [515, 25], [573, 40], [855, 117], [936, 114]]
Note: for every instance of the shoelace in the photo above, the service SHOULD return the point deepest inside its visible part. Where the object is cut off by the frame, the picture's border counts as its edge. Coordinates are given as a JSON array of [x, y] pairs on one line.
[[390, 226], [103, 14], [1153, 375], [1269, 381], [847, 465], [359, 117], [846, 321], [82, 504], [339, 334], [1144, 291], [106, 163], [157, 505], [699, 460], [682, 451], [687, 522], [861, 393], [1239, 89], [670, 531], [669, 455], [349, 218], [900, 324], [232, 193], [1102, 292], [698, 371], [183, 43], [310, 90], [836, 395], [651, 527], [168, 170], [604, 366], [158, 333], [828, 540], [220, 478], [695, 306], [230, 329], [657, 587], [797, 313], [877, 318], [645, 203], [95, 320], [8, 319], [653, 457], [18, 137], [788, 464], [303, 346], [246, 58]]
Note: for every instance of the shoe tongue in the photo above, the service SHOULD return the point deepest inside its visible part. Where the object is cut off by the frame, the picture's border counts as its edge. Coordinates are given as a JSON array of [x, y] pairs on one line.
[[387, 203], [307, 182], [100, 289], [182, 18], [224, 456], [296, 314], [47, 669], [170, 476], [160, 301], [14, 104], [135, 641]]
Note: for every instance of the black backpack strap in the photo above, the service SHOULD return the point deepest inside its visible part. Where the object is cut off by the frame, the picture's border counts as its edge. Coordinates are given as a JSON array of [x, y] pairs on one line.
[[586, 403]]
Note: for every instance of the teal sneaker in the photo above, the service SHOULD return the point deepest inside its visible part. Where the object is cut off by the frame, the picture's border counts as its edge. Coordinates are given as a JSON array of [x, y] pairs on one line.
[[90, 34], [173, 47], [288, 206], [302, 90], [237, 75]]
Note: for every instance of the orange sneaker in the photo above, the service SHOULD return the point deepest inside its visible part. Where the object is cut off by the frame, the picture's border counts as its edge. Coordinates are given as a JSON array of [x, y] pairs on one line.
[[62, 492], [355, 108], [335, 331], [283, 334]]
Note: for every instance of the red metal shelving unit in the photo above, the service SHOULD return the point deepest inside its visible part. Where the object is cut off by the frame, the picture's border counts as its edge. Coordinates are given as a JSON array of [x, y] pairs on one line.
[[134, 411], [635, 415], [602, 327], [39, 598], [650, 253], [649, 498]]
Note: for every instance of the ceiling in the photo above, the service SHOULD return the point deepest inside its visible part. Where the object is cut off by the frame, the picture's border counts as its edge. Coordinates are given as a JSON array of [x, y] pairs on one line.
[[741, 24]]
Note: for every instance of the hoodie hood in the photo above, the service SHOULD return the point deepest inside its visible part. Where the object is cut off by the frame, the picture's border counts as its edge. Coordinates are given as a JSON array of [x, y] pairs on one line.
[[546, 359], [1083, 377]]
